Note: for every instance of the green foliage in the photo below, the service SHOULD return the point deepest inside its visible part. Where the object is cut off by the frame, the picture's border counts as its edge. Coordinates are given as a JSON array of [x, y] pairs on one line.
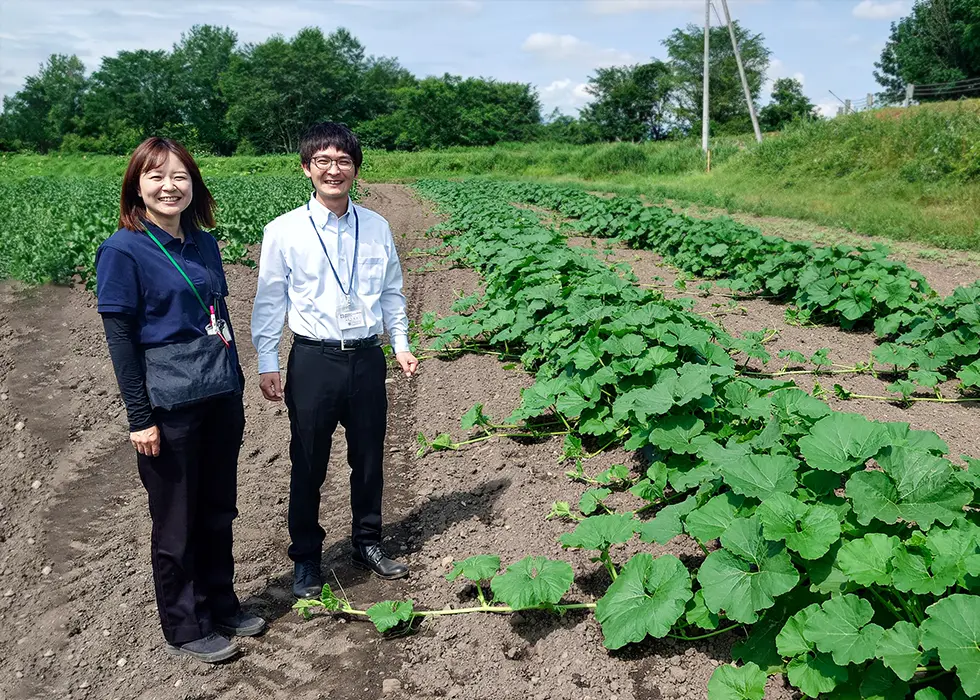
[[481, 567], [631, 102], [389, 614], [850, 547], [938, 42], [53, 225], [788, 104], [727, 110], [648, 598], [532, 582]]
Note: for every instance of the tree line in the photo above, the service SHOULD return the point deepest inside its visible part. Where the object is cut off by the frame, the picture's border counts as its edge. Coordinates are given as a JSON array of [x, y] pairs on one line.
[[224, 98]]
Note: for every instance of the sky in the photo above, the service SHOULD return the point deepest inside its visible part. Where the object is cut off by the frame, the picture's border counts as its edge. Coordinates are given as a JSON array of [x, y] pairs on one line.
[[829, 45]]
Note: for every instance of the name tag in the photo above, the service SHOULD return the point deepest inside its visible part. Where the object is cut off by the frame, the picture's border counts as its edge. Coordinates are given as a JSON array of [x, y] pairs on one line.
[[351, 318], [222, 330]]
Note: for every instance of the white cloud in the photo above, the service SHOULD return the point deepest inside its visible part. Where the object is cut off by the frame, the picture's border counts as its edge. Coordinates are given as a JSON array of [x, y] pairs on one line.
[[828, 109], [565, 47], [880, 9], [565, 94]]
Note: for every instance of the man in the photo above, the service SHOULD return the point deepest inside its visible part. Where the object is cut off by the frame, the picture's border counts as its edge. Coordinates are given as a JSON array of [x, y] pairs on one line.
[[334, 267]]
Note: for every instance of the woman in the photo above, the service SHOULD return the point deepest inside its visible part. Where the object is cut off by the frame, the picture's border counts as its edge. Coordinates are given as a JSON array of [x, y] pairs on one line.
[[161, 292]]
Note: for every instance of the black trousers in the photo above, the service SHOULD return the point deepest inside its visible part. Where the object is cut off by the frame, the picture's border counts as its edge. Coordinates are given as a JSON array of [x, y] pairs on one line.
[[324, 387], [192, 488]]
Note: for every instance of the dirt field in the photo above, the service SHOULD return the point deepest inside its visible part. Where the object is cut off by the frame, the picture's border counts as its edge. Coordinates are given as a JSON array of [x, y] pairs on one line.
[[77, 617]]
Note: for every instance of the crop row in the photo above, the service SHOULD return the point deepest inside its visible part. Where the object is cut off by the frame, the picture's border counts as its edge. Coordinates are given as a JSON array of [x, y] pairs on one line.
[[853, 581], [52, 226], [925, 339]]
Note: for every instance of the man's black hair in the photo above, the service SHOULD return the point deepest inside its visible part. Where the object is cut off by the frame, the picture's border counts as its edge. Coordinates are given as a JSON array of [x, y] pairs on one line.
[[322, 136]]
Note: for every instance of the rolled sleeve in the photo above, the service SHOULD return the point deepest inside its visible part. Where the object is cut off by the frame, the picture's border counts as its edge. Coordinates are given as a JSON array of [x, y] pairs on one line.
[[117, 281], [393, 302], [271, 300]]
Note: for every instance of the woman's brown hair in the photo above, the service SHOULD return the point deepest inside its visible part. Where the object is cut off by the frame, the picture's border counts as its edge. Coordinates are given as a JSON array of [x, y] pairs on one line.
[[151, 154]]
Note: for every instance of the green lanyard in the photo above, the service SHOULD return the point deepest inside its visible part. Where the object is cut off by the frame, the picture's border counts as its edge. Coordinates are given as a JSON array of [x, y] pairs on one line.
[[182, 273]]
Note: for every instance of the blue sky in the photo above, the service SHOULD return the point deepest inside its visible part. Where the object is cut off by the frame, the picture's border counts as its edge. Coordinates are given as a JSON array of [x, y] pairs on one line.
[[830, 45]]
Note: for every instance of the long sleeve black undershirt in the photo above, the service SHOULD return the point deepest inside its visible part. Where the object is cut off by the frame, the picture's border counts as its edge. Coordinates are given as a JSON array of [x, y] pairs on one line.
[[122, 335]]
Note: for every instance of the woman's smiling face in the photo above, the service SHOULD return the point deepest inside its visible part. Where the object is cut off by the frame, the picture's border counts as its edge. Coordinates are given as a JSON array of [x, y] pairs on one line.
[[167, 189]]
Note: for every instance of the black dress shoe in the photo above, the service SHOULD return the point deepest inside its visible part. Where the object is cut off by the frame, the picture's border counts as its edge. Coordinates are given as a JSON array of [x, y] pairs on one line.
[[307, 582], [241, 624], [373, 558], [210, 649]]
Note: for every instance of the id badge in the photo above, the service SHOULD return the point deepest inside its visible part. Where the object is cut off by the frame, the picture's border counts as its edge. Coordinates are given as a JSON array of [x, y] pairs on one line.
[[350, 316], [221, 329]]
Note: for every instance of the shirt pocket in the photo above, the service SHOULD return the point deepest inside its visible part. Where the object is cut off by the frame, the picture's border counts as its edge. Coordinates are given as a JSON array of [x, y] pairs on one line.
[[371, 274]]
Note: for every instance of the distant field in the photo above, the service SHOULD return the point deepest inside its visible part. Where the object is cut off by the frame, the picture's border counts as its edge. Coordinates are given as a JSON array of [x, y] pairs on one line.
[[911, 175]]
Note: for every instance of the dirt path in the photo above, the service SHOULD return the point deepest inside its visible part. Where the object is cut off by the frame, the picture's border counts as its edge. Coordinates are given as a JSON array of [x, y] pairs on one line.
[[87, 627]]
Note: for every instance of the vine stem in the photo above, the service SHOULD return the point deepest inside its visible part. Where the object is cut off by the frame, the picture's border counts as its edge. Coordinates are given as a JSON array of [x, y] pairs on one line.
[[926, 679], [910, 399], [704, 636]]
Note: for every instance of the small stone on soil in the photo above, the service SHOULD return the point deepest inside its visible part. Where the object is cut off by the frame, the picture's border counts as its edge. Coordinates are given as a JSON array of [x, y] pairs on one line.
[[36, 485], [390, 685], [121, 662], [19, 425], [45, 571]]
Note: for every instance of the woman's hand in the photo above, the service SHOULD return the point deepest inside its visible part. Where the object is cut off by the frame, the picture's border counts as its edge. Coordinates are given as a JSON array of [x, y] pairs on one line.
[[147, 442]]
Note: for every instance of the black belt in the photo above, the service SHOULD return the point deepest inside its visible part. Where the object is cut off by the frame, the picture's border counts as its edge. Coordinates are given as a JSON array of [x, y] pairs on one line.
[[372, 341]]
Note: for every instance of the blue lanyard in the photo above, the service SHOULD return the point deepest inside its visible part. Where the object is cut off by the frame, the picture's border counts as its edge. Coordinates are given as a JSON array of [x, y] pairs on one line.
[[353, 266]]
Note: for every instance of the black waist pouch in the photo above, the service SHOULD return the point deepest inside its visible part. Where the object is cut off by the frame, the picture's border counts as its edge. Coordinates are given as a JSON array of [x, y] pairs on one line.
[[183, 374]]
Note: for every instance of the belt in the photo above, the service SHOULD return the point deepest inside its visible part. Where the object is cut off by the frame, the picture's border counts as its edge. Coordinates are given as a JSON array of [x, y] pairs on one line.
[[372, 341]]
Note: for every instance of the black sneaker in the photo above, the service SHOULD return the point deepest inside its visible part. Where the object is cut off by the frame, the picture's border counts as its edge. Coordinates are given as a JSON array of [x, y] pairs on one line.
[[307, 582], [241, 624], [373, 558], [210, 649]]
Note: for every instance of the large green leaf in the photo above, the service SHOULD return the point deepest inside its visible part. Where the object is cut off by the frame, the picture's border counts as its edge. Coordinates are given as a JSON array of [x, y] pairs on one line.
[[868, 560], [807, 529], [791, 640], [599, 532], [899, 649], [481, 567], [815, 674], [675, 433], [712, 519], [592, 499], [531, 582], [746, 682], [953, 628], [748, 574], [841, 628], [842, 442], [647, 598], [760, 476], [913, 485], [667, 524], [388, 614]]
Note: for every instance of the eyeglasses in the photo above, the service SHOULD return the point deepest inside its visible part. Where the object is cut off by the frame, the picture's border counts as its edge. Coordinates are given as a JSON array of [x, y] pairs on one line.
[[324, 163]]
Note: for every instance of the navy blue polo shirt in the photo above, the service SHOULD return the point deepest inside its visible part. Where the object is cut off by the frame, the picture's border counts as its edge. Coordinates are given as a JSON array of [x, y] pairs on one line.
[[135, 277]]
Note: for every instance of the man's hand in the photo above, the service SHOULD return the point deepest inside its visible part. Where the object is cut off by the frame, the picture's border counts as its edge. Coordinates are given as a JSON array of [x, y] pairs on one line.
[[147, 442], [271, 386], [408, 362]]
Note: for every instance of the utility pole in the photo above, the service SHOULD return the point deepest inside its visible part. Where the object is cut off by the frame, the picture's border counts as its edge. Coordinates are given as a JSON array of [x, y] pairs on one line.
[[741, 73], [707, 58]]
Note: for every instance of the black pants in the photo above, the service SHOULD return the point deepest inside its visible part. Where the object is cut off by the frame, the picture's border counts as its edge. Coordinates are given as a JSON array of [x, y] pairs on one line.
[[192, 489], [325, 387]]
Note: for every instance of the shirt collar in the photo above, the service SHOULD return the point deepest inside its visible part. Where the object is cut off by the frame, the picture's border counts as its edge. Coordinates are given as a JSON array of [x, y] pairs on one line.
[[323, 214], [164, 237]]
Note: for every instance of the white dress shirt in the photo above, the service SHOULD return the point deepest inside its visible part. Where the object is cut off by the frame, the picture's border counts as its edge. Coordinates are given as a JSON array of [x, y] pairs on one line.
[[295, 276]]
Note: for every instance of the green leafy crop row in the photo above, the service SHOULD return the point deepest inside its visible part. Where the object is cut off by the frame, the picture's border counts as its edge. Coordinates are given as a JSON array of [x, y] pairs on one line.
[[52, 226], [848, 550], [928, 339]]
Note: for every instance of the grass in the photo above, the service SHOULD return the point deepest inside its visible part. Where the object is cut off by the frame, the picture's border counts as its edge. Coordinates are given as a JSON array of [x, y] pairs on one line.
[[903, 174]]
